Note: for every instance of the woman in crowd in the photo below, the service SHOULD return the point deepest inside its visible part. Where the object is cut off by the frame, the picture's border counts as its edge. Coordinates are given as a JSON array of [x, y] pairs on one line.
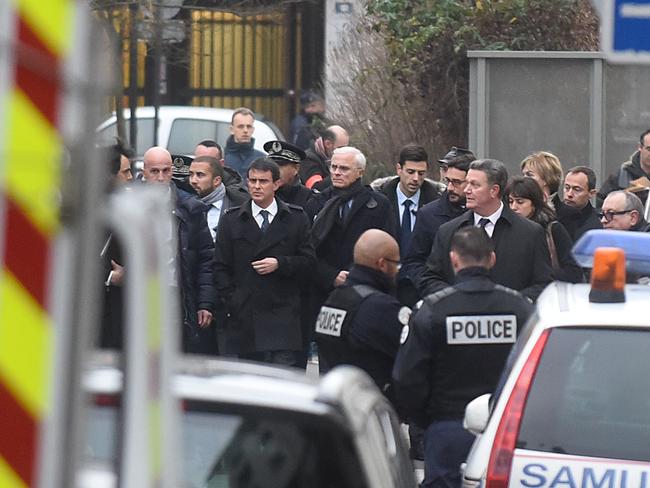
[[545, 168], [525, 198]]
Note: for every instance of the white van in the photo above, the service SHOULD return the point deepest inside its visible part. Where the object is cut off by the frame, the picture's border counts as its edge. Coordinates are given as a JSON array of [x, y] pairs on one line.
[[181, 128]]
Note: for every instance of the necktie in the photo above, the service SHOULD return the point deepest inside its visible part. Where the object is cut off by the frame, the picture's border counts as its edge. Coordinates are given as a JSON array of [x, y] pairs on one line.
[[405, 236], [265, 220], [483, 222]]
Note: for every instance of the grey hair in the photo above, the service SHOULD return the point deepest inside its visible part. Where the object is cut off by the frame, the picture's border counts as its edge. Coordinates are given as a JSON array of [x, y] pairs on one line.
[[495, 170], [358, 155], [632, 202]]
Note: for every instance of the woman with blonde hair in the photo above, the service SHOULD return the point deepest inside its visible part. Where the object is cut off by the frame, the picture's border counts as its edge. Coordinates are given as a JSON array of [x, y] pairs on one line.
[[546, 169]]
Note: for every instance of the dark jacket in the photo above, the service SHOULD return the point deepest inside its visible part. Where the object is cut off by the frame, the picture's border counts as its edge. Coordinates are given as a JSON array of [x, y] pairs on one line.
[[264, 310], [567, 269], [575, 221], [456, 345], [629, 171], [372, 336], [239, 155], [427, 222], [428, 193], [296, 194], [314, 165], [523, 262], [112, 328], [335, 244], [194, 263]]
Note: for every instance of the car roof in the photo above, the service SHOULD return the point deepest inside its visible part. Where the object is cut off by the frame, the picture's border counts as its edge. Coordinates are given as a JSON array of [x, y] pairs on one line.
[[254, 384], [566, 304]]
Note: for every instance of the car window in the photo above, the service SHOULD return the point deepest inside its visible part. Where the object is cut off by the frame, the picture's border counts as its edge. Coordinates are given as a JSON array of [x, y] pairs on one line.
[[591, 395], [185, 134], [245, 446], [144, 138]]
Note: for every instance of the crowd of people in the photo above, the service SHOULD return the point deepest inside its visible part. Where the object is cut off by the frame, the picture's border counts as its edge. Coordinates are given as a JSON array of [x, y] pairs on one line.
[[280, 250]]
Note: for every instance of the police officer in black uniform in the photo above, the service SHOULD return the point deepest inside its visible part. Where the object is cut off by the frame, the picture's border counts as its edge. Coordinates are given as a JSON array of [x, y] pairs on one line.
[[360, 322], [453, 350], [289, 158]]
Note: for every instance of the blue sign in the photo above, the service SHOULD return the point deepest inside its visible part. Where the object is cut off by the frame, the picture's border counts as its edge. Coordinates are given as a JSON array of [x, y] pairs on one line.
[[625, 31]]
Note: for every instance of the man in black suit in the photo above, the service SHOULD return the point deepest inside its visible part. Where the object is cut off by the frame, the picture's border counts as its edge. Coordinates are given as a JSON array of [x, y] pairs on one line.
[[407, 192], [523, 261], [575, 212], [262, 249]]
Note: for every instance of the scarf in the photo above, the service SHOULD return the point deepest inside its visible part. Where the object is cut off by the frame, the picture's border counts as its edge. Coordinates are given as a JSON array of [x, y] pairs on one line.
[[329, 214], [217, 194], [319, 148]]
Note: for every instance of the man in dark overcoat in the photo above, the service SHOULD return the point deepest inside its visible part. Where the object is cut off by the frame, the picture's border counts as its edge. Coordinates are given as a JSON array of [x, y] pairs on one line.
[[262, 250]]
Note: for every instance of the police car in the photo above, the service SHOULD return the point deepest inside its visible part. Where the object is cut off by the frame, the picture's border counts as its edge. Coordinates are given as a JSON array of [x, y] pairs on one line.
[[572, 409], [246, 425]]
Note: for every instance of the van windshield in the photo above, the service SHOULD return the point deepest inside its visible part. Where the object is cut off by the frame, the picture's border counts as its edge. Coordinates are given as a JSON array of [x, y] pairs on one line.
[[591, 395]]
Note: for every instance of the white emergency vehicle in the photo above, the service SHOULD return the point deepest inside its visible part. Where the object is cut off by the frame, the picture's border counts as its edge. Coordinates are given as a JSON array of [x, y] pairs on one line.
[[572, 408]]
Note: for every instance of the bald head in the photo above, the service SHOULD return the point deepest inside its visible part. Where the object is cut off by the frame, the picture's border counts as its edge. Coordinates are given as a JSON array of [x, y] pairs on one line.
[[378, 250], [334, 137], [157, 165]]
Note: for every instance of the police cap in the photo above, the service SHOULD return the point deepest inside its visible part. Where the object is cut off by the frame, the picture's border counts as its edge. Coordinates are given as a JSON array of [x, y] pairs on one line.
[[284, 153], [456, 153], [181, 166]]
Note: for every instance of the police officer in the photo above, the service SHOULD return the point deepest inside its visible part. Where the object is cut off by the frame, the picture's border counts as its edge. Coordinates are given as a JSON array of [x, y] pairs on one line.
[[453, 350], [289, 158], [360, 322]]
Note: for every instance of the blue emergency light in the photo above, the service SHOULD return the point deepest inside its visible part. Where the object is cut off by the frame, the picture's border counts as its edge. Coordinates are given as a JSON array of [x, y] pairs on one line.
[[636, 246]]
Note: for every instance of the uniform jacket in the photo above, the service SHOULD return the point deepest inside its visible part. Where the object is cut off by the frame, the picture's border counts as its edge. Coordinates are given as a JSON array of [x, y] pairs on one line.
[[429, 218], [334, 248], [264, 310], [296, 194], [523, 261], [375, 329], [434, 380], [240, 155]]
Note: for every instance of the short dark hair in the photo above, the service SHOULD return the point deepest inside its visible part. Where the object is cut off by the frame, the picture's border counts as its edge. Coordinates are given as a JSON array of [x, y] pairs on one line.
[[527, 187], [265, 164], [211, 143], [472, 245], [113, 154], [495, 170], [588, 172], [645, 133], [215, 165], [413, 152]]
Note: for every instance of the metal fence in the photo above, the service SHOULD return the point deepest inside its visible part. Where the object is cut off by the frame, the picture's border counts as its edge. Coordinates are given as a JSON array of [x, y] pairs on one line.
[[573, 104]]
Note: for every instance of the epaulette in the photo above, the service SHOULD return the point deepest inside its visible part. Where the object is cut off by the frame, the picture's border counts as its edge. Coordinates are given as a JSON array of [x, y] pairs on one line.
[[434, 298], [232, 209], [509, 291]]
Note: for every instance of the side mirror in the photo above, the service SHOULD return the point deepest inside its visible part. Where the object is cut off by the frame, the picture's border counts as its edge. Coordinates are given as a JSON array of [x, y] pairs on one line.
[[477, 414]]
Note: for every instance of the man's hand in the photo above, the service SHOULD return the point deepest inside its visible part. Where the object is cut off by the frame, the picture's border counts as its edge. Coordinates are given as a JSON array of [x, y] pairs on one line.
[[340, 278], [205, 318], [265, 266], [117, 274]]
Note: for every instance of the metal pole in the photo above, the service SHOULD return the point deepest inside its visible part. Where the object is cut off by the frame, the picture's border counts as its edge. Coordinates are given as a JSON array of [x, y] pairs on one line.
[[133, 76]]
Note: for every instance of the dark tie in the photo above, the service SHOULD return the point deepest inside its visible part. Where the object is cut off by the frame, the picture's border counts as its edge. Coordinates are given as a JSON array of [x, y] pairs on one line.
[[483, 222], [265, 220], [405, 237]]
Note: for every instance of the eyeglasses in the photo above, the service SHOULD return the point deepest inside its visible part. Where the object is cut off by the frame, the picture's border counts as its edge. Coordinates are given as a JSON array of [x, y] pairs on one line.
[[609, 214], [454, 182], [396, 262]]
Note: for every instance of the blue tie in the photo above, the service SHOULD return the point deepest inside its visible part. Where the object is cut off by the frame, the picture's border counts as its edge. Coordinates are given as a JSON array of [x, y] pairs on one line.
[[405, 236], [265, 220]]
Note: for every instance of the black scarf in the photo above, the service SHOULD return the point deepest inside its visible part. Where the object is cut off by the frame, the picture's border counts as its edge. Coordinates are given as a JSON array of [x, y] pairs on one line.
[[329, 214]]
